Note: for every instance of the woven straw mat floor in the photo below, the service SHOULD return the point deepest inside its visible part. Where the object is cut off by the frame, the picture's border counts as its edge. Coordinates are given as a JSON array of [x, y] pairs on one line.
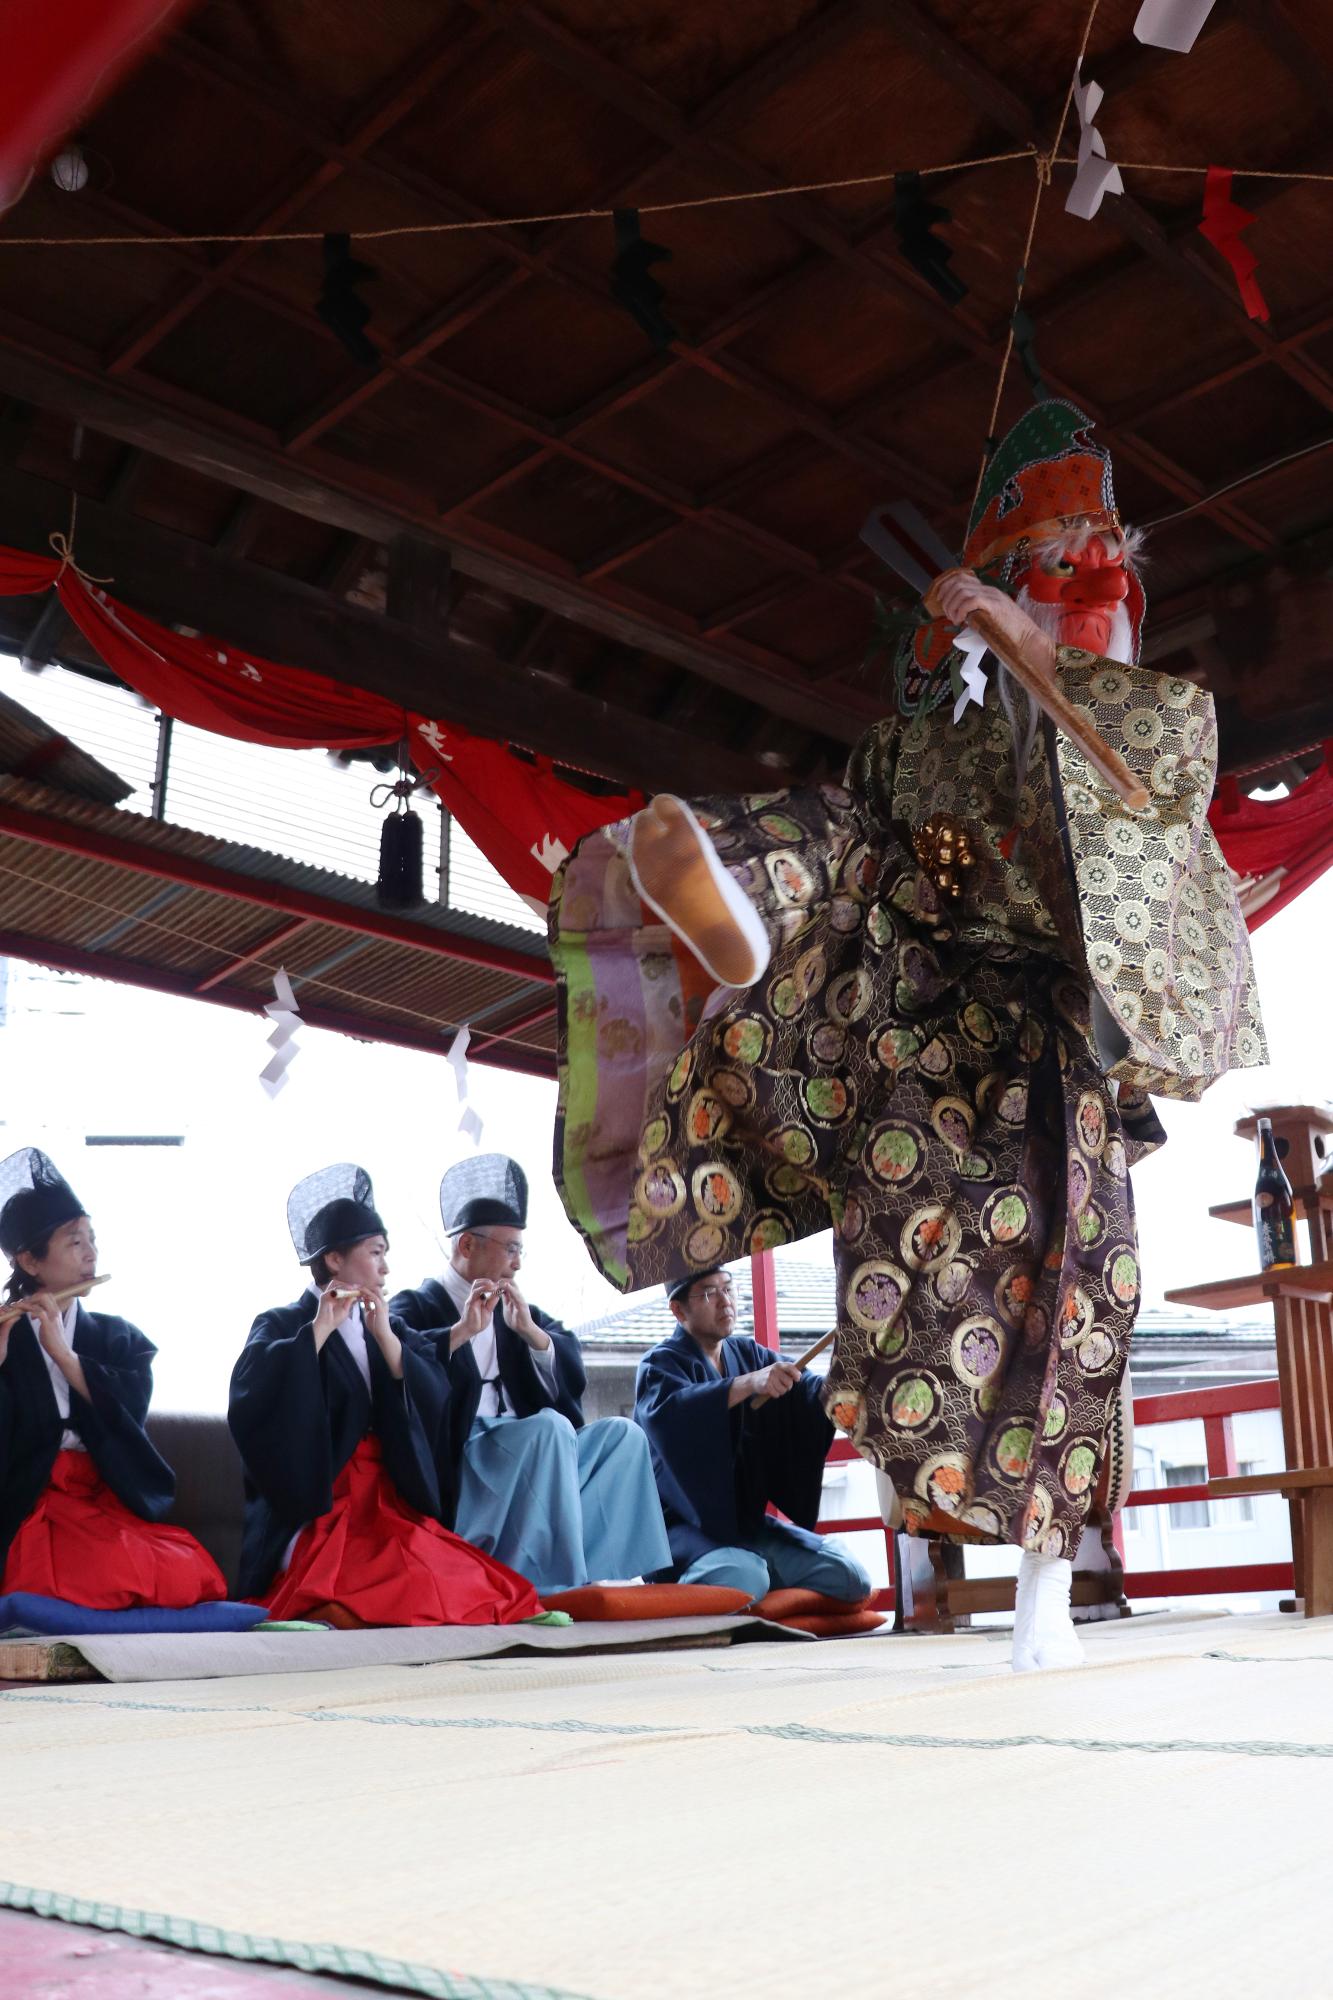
[[864, 1817]]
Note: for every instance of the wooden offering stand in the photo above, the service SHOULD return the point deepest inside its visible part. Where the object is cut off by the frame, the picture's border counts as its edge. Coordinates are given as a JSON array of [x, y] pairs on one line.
[[1301, 1296]]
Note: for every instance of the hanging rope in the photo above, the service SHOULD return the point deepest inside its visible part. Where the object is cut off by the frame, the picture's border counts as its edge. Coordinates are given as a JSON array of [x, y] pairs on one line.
[[1043, 163], [63, 546]]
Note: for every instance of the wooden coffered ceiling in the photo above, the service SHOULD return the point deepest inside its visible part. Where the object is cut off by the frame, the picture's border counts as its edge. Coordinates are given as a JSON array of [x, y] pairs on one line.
[[646, 564]]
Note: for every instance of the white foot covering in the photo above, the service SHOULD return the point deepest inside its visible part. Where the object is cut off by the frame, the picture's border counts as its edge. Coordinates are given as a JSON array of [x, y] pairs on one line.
[[681, 877], [1044, 1634]]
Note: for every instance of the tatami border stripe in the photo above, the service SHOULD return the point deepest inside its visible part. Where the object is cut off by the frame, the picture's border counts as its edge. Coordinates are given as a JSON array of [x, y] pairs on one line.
[[394, 1973], [786, 1732]]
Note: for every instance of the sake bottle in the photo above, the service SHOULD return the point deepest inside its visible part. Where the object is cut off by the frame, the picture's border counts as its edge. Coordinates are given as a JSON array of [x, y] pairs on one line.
[[1274, 1208]]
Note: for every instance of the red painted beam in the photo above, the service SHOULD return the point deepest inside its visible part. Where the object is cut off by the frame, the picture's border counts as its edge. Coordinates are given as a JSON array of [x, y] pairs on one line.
[[426, 1036], [61, 57], [1209, 1582], [46, 830], [272, 942], [508, 1030], [1207, 1402]]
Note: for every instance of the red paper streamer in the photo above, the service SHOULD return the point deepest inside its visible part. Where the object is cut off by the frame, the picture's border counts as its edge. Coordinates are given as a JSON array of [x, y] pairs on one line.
[[1223, 221]]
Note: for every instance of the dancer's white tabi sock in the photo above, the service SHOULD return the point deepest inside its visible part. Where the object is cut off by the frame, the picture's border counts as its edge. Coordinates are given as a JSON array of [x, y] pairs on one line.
[[1044, 1634], [682, 878]]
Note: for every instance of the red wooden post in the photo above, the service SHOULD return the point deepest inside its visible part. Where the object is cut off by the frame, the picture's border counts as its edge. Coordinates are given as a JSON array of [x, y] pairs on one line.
[[764, 1285], [1220, 1447]]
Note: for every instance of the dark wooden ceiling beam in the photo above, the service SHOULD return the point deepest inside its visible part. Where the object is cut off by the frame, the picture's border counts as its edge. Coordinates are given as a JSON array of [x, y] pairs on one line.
[[224, 448], [1270, 22], [415, 79], [443, 325], [177, 580], [1198, 268]]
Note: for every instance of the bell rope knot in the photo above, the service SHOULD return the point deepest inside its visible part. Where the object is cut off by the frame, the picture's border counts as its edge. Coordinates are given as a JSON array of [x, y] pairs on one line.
[[62, 545]]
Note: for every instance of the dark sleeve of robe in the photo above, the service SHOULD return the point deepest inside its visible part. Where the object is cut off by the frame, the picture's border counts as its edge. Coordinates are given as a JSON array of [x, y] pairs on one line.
[[117, 1362], [297, 1415], [525, 1383], [718, 1468]]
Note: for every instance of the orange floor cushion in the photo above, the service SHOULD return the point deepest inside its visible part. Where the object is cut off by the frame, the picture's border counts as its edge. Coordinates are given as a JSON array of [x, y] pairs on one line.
[[825, 1625], [780, 1605], [595, 1601]]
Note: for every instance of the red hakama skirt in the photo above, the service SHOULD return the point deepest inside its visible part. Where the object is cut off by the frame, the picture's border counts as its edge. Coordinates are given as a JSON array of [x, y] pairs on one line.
[[83, 1545], [379, 1562]]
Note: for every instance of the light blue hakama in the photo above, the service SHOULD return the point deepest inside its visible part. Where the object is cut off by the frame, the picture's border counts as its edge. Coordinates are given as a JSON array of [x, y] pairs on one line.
[[563, 1507]]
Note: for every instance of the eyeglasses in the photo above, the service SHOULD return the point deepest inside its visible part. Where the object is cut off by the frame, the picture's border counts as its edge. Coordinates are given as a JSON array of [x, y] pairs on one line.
[[712, 1293], [513, 1251]]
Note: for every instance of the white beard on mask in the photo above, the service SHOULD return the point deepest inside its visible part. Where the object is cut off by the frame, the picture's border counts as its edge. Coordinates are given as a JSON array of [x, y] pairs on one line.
[[1047, 617]]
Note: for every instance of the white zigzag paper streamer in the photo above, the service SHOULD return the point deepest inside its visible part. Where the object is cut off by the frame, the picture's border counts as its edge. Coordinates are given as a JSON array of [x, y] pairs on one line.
[[469, 1123], [285, 1015], [1171, 24], [972, 673], [1096, 176]]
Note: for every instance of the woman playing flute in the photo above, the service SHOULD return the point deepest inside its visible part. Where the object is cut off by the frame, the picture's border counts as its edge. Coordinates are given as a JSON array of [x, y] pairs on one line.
[[82, 1488], [339, 1411]]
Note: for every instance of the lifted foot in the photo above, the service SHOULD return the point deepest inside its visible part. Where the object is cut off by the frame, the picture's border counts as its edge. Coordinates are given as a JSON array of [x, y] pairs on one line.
[[680, 875]]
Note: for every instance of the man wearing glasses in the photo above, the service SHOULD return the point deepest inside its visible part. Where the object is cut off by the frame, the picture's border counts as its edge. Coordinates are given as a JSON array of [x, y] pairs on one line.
[[563, 1502], [734, 1428]]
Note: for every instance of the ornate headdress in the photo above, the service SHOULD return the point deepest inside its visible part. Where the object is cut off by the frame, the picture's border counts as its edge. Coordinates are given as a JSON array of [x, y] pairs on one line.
[[481, 1192], [1046, 478], [331, 1209], [35, 1199]]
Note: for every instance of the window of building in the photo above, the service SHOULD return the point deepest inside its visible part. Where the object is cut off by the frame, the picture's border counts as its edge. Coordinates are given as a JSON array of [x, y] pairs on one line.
[[1186, 1513]]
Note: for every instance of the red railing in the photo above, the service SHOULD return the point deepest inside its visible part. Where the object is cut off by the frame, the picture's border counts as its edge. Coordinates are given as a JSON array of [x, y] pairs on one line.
[[1217, 1408]]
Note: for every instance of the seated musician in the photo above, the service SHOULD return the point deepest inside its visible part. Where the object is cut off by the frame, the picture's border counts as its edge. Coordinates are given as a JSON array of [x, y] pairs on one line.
[[721, 1458], [337, 1409], [565, 1501], [82, 1488]]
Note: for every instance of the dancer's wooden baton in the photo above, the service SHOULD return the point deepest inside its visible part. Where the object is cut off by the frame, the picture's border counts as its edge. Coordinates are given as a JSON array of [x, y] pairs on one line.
[[802, 1360], [1045, 690], [20, 1306]]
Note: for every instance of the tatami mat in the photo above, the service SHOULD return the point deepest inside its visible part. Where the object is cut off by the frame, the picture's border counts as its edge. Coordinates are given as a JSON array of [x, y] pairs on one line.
[[867, 1817]]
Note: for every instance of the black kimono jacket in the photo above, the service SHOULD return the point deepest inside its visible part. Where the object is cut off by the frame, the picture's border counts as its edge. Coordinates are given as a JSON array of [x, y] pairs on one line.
[[718, 1468], [118, 1365], [297, 1416], [431, 1311]]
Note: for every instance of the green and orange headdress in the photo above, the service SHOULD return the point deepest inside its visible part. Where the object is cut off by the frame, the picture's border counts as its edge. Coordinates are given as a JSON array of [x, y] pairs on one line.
[[1047, 478]]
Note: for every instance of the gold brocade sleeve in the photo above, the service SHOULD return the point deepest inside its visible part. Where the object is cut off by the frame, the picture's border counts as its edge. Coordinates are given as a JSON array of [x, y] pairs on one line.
[[1163, 936]]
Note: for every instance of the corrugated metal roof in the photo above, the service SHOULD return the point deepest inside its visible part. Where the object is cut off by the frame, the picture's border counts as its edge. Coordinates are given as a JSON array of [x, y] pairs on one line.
[[32, 748], [96, 910]]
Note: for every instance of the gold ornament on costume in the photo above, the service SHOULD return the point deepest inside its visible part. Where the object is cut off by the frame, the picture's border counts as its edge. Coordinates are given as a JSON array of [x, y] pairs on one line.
[[943, 846]]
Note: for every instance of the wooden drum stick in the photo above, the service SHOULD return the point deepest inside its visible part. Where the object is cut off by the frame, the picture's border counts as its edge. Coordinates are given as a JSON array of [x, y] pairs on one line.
[[802, 1360], [1045, 690]]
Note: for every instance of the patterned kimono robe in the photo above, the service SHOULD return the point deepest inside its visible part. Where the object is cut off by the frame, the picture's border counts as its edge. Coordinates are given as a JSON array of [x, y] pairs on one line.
[[957, 1087]]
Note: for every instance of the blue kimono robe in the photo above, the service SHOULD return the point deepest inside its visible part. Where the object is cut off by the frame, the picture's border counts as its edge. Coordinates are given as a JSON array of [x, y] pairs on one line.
[[563, 1501], [718, 1468], [297, 1416]]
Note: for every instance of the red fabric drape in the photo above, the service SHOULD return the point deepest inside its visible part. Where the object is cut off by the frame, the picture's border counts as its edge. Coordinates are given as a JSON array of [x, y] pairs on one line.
[[522, 816], [1288, 840], [60, 57]]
